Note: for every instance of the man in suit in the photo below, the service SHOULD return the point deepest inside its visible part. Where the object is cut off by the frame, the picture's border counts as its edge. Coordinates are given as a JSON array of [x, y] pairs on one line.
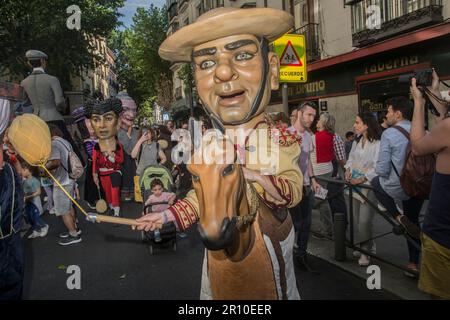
[[45, 94]]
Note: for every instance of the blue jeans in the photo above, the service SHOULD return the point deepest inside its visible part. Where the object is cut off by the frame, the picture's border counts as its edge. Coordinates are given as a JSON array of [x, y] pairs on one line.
[[411, 209], [33, 217], [11, 267], [301, 218]]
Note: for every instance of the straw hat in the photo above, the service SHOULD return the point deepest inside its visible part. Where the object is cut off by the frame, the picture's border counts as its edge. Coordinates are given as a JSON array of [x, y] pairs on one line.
[[223, 22]]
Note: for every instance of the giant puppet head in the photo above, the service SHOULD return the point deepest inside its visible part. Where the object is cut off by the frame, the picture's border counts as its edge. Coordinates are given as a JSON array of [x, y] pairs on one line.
[[129, 110], [104, 116], [229, 48]]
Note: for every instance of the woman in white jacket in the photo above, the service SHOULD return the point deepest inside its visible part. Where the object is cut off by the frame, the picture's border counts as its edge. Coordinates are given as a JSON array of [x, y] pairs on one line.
[[360, 169]]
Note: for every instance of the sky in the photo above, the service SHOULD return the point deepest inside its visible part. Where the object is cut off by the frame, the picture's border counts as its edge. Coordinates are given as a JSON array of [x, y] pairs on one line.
[[130, 7]]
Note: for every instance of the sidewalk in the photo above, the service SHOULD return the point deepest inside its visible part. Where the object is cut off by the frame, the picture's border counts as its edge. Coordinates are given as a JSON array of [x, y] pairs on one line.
[[390, 247]]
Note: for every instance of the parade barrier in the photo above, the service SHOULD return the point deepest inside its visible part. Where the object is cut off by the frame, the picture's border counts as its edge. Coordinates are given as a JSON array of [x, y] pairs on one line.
[[340, 239]]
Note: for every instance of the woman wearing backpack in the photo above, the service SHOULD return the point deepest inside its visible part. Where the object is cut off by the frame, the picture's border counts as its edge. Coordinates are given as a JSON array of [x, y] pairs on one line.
[[360, 169]]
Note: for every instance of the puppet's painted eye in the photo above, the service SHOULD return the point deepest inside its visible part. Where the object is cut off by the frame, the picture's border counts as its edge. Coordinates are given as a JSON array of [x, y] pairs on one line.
[[195, 178], [229, 169], [207, 64], [244, 56]]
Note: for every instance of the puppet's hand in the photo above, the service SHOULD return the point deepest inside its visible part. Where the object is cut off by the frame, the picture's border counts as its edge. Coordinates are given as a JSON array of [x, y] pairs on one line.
[[150, 222]]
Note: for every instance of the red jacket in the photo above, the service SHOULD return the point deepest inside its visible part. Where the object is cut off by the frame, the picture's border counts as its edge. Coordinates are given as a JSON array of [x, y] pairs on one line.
[[324, 146], [99, 160]]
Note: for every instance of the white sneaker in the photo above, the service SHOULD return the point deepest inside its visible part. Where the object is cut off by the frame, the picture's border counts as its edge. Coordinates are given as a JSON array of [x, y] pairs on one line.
[[381, 208], [43, 231], [364, 260], [373, 250], [35, 234]]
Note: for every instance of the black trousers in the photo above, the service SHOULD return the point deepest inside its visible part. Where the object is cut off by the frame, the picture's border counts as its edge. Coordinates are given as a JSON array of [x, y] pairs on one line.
[[411, 209], [11, 267]]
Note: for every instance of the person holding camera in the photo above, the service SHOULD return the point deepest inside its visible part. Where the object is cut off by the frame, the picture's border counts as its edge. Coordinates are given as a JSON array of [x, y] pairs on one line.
[[387, 186], [434, 276], [147, 151]]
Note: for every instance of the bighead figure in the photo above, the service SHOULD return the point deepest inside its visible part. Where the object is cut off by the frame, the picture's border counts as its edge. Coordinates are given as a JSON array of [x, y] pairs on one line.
[[107, 156], [241, 210]]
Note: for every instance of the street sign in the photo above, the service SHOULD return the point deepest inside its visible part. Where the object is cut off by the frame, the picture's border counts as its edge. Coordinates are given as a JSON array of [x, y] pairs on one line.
[[291, 50]]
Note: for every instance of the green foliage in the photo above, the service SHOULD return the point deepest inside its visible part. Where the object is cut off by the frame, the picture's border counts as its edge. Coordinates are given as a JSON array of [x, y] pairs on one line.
[[140, 69], [145, 115], [41, 25], [186, 74]]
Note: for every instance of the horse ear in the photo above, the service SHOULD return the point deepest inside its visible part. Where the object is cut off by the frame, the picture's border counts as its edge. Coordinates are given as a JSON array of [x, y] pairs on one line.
[[217, 124], [195, 131]]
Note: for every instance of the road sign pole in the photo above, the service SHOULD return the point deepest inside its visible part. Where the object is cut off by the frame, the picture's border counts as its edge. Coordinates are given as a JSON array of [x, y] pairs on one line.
[[284, 95]]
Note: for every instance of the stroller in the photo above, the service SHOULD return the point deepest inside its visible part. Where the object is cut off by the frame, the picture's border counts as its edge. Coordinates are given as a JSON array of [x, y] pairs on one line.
[[168, 232]]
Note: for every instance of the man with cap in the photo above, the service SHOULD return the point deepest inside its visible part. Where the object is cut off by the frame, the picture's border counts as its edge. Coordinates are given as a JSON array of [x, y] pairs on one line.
[[235, 73], [45, 94], [11, 208]]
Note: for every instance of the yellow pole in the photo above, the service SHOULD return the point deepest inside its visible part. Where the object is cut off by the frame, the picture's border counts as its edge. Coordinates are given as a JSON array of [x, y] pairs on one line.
[[96, 217]]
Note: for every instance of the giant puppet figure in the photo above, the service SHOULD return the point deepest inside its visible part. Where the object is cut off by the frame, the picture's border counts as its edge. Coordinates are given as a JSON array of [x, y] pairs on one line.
[[107, 156], [241, 210], [128, 137]]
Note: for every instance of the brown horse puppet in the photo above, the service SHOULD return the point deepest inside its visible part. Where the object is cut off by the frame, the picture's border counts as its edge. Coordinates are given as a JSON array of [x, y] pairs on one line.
[[249, 248]]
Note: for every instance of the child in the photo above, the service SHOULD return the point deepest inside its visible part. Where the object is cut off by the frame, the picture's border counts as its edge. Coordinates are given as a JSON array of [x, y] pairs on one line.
[[159, 201], [33, 205], [47, 184]]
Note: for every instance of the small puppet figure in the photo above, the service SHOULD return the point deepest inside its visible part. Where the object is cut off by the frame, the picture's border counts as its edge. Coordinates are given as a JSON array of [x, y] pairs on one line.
[[108, 155], [128, 136]]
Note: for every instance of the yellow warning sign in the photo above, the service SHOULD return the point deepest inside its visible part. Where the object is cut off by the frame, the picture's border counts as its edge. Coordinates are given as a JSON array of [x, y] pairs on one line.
[[291, 50]]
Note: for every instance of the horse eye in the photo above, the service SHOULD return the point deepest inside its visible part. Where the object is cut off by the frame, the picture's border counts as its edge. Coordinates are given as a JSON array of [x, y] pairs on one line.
[[227, 170], [195, 178]]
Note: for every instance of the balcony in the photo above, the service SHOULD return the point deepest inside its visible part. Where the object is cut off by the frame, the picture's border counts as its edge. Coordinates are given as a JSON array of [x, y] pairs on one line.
[[172, 9], [395, 17], [311, 33], [178, 93], [182, 5]]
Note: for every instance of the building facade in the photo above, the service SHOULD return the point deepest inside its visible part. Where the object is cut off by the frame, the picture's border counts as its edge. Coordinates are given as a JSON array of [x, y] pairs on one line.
[[358, 49], [184, 12], [99, 82]]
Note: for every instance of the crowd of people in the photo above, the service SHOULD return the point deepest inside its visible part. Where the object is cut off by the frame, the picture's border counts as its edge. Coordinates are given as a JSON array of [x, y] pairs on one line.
[[378, 154], [373, 155]]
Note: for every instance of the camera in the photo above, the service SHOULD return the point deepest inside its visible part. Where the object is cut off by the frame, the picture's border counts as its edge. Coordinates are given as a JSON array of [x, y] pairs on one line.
[[424, 77]]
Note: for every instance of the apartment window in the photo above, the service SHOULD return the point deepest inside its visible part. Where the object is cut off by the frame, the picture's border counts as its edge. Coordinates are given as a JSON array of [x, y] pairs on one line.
[[305, 11], [219, 3], [207, 5], [200, 9], [249, 5], [389, 10]]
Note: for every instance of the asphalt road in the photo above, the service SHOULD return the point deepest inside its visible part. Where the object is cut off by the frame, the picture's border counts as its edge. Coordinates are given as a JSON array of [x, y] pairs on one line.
[[115, 264]]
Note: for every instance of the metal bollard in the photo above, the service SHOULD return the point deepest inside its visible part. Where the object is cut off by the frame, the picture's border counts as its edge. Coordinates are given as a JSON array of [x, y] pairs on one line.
[[339, 237]]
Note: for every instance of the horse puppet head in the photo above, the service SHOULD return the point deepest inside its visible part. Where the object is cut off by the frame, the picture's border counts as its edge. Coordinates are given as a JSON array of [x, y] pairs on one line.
[[227, 203]]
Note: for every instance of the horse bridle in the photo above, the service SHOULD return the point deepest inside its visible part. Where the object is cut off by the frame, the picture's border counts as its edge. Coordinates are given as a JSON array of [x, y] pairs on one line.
[[253, 202]]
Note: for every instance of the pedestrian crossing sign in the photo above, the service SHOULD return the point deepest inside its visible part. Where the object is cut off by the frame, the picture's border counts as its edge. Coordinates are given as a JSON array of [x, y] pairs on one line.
[[291, 51]]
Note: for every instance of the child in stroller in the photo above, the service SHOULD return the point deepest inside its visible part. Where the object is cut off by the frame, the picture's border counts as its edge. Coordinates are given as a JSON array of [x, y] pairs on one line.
[[157, 184], [159, 201]]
